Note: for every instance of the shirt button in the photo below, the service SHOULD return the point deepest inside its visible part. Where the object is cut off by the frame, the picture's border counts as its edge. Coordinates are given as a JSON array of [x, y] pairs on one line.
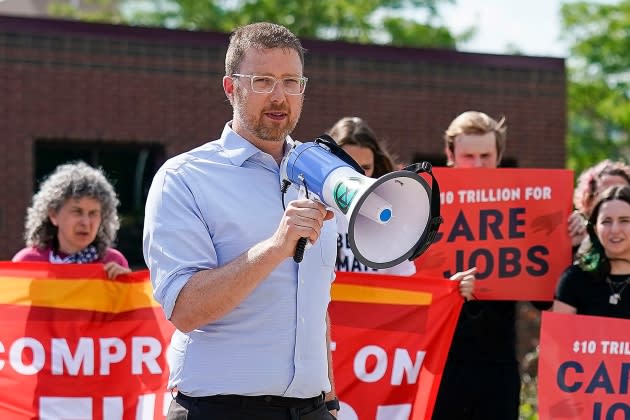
[[302, 319]]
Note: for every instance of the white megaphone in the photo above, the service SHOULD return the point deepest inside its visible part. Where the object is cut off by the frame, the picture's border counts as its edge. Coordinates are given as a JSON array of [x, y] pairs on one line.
[[390, 219]]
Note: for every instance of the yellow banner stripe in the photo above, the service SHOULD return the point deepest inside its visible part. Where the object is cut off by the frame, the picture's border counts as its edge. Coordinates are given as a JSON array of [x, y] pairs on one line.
[[383, 295], [90, 295]]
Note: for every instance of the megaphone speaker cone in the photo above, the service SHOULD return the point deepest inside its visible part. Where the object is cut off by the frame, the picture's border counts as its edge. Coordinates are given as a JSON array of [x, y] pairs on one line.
[[379, 244]]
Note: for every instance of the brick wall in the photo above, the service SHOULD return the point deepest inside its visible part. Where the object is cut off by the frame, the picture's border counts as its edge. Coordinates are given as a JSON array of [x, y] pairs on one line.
[[71, 81]]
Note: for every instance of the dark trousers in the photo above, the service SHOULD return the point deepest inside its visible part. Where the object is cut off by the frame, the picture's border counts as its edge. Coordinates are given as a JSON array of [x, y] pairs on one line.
[[478, 391], [236, 407]]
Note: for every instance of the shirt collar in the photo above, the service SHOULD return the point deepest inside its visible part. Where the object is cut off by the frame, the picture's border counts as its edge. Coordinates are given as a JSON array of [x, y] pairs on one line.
[[238, 150]]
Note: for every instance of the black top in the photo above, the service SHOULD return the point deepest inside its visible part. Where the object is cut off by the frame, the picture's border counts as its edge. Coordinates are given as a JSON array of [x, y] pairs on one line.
[[485, 333], [592, 296]]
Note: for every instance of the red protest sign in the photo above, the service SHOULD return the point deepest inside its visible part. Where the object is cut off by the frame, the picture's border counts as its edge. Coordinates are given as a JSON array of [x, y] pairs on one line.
[[583, 367], [509, 223]]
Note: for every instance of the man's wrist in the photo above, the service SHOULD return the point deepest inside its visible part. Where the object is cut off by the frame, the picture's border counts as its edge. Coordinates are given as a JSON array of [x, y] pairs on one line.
[[332, 404]]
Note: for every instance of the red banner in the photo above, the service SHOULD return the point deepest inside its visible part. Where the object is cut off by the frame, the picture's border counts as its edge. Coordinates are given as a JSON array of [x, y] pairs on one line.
[[391, 336], [583, 367], [509, 223], [76, 345]]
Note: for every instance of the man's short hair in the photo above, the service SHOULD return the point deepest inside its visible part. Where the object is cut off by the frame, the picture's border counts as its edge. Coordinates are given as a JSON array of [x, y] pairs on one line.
[[262, 35], [475, 122]]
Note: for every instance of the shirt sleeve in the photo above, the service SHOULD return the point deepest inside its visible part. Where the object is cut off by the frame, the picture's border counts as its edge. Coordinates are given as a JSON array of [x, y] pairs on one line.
[[30, 254], [176, 240], [569, 286]]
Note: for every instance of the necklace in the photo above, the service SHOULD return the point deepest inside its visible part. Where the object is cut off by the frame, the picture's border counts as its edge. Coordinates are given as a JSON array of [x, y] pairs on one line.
[[616, 289]]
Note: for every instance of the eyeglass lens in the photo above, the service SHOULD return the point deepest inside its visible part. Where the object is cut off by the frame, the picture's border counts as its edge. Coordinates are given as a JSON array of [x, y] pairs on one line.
[[266, 84]]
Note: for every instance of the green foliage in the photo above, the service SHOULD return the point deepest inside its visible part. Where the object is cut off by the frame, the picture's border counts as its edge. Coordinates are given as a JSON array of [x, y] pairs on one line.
[[395, 22], [599, 89], [529, 388], [404, 32], [91, 11]]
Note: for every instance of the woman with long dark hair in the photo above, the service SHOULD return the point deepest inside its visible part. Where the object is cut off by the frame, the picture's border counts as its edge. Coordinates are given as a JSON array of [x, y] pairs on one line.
[[358, 140], [598, 282]]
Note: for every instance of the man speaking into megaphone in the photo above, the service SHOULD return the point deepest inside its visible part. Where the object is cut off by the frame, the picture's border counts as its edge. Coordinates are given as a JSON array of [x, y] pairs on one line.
[[252, 336]]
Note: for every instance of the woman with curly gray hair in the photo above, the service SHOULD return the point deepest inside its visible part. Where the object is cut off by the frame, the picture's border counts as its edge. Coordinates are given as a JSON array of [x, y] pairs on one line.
[[74, 219]]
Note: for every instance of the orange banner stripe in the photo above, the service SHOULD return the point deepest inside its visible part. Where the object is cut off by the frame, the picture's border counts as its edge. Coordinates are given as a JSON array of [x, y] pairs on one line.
[[91, 295], [116, 297], [382, 295]]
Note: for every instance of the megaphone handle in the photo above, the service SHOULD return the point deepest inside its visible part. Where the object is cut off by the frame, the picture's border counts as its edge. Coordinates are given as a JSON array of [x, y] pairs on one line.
[[301, 244], [299, 250]]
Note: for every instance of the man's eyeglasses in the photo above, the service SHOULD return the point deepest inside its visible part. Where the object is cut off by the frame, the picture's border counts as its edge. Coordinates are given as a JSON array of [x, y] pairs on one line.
[[266, 84]]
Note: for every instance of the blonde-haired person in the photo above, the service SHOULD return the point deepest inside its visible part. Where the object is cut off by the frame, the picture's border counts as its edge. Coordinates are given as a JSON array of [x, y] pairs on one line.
[[73, 218], [482, 358], [590, 183], [475, 140]]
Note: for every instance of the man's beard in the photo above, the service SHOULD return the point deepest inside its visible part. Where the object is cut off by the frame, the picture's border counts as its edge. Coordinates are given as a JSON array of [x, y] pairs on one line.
[[255, 125]]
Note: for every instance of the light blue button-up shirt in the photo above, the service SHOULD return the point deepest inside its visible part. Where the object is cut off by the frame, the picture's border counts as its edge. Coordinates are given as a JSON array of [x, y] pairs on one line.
[[205, 208]]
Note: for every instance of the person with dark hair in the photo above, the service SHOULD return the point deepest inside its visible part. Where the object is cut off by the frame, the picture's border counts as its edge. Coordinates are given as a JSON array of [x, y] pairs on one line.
[[590, 183], [482, 358], [357, 139], [252, 335], [73, 219], [596, 283]]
